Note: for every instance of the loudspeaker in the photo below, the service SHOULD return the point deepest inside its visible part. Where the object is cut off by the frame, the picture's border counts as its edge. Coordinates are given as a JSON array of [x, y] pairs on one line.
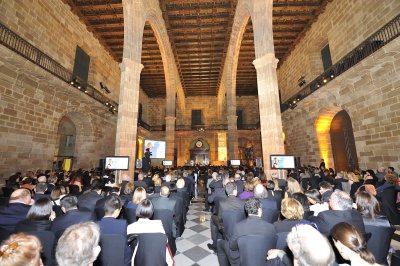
[[102, 163]]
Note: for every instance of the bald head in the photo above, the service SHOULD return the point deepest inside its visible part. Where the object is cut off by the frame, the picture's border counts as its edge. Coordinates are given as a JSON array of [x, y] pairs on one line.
[[21, 196], [168, 178], [164, 191]]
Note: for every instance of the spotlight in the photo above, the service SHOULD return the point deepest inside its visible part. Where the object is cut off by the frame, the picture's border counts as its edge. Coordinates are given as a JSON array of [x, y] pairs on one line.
[[72, 82], [325, 80], [79, 86], [318, 85], [115, 109], [332, 76], [298, 98], [107, 103], [86, 91]]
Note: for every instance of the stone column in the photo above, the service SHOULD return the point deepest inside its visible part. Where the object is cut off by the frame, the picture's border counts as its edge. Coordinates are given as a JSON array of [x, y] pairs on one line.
[[125, 144], [270, 114], [233, 151], [170, 137]]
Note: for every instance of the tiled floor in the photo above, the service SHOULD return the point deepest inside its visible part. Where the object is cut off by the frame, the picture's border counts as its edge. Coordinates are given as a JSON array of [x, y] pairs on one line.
[[192, 248]]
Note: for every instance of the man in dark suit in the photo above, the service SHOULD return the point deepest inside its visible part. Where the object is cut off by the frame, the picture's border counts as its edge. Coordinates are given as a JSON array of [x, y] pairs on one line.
[[19, 204], [326, 190], [218, 193], [140, 182], [110, 225], [165, 203], [87, 201], [40, 191], [270, 205], [239, 183], [228, 251], [341, 211], [169, 183], [69, 205], [231, 203]]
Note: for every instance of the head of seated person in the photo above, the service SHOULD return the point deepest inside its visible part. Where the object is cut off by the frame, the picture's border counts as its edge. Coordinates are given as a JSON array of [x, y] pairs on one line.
[[351, 244], [302, 198], [21, 196], [260, 192], [40, 188], [164, 192], [180, 183], [139, 195], [313, 196], [367, 204], [231, 189], [112, 206], [68, 203], [340, 201], [42, 209], [79, 245], [252, 206], [292, 209], [145, 209], [309, 247], [20, 249]]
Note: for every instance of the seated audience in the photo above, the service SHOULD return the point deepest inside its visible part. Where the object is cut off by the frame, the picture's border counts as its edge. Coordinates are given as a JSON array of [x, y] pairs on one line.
[[351, 244], [341, 211], [126, 192], [79, 245], [20, 249], [248, 191], [302, 198], [293, 213], [38, 218], [40, 191], [140, 182], [308, 246], [355, 182], [144, 212], [228, 251], [19, 204], [315, 200], [109, 224], [69, 205]]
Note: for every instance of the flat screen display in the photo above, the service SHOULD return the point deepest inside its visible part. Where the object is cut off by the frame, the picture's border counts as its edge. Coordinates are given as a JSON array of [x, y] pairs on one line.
[[117, 163], [157, 148], [167, 163], [282, 162], [235, 162]]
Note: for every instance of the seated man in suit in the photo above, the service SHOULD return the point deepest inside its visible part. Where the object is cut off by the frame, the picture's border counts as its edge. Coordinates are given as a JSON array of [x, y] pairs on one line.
[[109, 224], [218, 193], [40, 191], [69, 205], [231, 203], [169, 183], [228, 251], [140, 182], [79, 245], [341, 210], [87, 201], [269, 204], [166, 203], [326, 190], [19, 204]]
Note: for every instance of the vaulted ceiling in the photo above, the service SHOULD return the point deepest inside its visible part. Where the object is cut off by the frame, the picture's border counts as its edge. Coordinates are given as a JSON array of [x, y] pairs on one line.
[[199, 31]]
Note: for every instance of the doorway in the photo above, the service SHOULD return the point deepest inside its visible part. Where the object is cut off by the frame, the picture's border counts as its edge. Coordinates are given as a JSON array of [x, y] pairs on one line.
[[343, 143]]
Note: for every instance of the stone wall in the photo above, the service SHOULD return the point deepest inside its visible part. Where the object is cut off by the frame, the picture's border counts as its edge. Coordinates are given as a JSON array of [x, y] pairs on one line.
[[370, 93], [32, 104], [344, 25], [55, 30]]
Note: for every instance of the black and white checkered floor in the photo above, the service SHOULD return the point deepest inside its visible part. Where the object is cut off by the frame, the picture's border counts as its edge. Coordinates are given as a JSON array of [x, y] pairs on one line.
[[192, 248]]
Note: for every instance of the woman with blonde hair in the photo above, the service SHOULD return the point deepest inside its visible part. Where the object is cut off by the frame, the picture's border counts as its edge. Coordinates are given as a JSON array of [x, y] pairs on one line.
[[293, 213], [292, 187], [21, 249]]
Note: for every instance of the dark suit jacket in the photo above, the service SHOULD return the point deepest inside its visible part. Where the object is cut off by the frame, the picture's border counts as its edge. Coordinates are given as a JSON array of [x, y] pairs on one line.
[[88, 200], [164, 203], [253, 225], [140, 183], [286, 225], [40, 196], [240, 186], [28, 225], [71, 217], [326, 220], [110, 225], [12, 214], [231, 204]]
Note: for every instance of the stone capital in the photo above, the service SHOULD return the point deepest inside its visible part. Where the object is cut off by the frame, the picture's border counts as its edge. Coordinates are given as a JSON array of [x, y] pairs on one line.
[[267, 59], [131, 64], [170, 118]]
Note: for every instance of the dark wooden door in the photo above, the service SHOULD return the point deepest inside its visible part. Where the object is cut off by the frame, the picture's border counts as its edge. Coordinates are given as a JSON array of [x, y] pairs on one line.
[[343, 144]]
